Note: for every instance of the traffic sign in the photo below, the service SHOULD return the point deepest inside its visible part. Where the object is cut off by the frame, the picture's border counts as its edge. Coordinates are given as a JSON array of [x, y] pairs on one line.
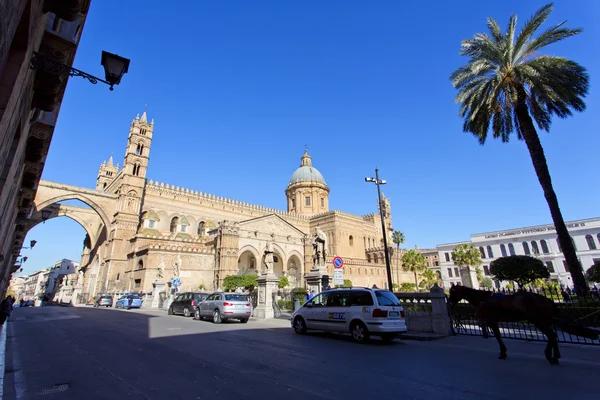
[[176, 282], [338, 262], [338, 276]]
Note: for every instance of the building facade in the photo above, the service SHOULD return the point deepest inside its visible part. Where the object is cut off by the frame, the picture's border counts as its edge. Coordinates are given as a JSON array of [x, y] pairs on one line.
[[538, 241], [44, 282], [158, 231], [29, 106]]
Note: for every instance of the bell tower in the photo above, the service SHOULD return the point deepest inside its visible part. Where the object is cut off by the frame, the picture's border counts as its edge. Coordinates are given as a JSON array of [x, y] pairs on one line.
[[106, 174]]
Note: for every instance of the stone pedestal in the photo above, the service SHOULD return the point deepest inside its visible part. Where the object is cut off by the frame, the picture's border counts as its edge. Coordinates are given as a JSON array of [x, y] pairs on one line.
[[76, 299], [314, 278], [468, 277], [158, 287], [267, 285]]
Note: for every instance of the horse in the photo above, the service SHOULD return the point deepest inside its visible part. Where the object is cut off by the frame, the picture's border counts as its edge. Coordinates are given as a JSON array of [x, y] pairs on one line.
[[539, 310]]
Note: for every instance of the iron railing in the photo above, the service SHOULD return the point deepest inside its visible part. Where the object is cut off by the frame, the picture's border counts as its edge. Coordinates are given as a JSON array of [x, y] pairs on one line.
[[578, 310]]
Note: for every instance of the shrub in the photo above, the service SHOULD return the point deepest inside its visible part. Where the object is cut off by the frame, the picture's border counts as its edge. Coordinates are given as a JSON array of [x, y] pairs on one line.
[[487, 283], [286, 304], [407, 287], [593, 274], [299, 293], [232, 282]]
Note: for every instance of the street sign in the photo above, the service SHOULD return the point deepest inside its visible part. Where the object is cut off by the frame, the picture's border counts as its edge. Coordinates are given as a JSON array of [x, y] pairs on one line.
[[338, 262], [338, 276], [176, 282]]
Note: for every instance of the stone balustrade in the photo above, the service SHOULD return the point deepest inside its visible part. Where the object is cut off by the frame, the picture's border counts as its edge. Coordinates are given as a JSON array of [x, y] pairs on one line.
[[426, 312]]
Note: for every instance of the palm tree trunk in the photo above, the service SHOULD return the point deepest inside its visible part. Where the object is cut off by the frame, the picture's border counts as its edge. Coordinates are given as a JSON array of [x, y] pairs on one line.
[[541, 169], [416, 282]]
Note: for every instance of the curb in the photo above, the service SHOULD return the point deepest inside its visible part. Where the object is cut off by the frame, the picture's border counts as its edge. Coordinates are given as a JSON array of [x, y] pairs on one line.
[[3, 329]]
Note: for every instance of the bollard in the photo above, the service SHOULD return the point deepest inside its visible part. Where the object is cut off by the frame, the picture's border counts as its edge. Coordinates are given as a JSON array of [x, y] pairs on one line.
[[296, 304]]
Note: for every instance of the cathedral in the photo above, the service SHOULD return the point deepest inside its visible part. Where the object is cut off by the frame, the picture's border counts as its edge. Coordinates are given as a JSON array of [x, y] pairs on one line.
[[159, 231]]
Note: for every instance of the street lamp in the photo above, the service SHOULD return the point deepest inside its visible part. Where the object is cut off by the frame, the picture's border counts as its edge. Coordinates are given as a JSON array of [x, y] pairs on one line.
[[380, 182], [46, 212], [31, 245], [114, 68]]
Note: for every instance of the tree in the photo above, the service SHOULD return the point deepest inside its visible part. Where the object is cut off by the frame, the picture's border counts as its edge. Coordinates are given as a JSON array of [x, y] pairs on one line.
[[413, 261], [407, 287], [593, 274], [521, 269], [509, 82], [233, 282], [430, 279], [398, 239], [486, 283], [283, 282], [347, 283], [466, 255]]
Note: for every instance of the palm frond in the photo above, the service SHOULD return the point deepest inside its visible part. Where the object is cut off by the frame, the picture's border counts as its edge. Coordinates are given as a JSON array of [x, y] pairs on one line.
[[509, 39], [495, 30], [530, 27], [552, 35]]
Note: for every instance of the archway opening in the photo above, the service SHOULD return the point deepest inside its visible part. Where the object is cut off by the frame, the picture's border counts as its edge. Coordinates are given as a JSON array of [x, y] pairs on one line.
[[247, 264], [294, 271]]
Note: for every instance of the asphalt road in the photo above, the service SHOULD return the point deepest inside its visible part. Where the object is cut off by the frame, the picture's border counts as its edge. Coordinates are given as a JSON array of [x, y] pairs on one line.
[[86, 353]]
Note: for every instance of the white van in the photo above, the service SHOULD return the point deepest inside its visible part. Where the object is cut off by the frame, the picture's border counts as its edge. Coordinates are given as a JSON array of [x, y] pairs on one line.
[[360, 311]]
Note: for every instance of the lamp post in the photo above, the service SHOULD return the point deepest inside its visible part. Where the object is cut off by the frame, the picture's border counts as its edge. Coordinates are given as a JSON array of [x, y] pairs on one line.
[[46, 212], [114, 68], [380, 182], [31, 245]]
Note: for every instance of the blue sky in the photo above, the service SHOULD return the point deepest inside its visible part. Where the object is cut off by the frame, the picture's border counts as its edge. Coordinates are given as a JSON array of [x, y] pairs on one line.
[[238, 88]]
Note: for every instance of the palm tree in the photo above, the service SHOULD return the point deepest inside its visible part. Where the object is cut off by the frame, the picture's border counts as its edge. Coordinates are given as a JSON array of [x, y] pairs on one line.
[[467, 255], [508, 83], [413, 261], [398, 239]]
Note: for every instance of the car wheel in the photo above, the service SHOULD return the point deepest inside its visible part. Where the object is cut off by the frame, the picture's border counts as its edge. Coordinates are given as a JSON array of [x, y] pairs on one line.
[[186, 312], [244, 320], [197, 315], [359, 332], [388, 337], [216, 317], [170, 311], [299, 325]]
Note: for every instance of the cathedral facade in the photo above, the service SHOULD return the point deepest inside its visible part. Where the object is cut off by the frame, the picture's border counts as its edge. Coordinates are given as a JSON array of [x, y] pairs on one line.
[[159, 231]]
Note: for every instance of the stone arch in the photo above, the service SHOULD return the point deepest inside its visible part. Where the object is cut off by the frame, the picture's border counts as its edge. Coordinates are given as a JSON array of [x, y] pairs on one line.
[[74, 196], [245, 255], [69, 212]]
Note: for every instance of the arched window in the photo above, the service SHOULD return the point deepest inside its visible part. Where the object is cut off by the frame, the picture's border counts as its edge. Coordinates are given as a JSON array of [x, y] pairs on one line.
[[136, 169], [590, 242], [503, 250], [490, 252], [351, 241], [104, 186], [545, 249], [201, 228], [174, 223], [140, 149], [368, 258], [375, 259], [439, 274], [511, 249], [534, 247], [140, 264], [482, 251], [142, 131], [526, 248]]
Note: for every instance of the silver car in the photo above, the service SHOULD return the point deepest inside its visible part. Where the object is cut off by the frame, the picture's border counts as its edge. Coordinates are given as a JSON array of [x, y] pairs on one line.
[[221, 306]]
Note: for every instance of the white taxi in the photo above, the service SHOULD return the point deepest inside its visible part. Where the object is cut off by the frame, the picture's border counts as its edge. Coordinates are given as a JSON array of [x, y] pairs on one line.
[[360, 311]]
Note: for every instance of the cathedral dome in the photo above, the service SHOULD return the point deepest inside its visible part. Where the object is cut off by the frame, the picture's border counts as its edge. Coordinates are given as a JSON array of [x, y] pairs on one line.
[[306, 172]]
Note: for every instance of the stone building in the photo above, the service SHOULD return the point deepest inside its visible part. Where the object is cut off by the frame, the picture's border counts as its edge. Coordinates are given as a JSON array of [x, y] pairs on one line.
[[155, 231], [29, 106]]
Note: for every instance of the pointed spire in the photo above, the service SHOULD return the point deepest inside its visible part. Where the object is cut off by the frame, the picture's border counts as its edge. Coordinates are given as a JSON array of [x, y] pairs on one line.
[[144, 118], [110, 161]]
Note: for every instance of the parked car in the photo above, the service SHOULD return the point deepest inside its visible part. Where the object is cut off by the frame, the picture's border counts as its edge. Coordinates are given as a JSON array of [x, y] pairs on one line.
[[104, 301], [129, 301], [221, 306], [186, 303], [362, 312]]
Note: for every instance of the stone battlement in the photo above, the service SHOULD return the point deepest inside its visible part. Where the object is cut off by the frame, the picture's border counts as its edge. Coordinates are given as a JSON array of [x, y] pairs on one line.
[[194, 195]]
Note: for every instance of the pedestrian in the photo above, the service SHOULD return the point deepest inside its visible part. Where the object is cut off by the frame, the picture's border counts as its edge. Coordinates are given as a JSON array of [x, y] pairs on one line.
[[312, 294], [307, 295], [5, 309]]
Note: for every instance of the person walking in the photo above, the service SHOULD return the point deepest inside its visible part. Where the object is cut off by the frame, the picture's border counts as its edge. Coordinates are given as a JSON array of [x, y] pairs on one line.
[[6, 308]]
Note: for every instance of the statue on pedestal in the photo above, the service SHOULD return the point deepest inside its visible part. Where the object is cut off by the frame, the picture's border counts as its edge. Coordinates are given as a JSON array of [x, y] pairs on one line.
[[319, 243], [176, 266], [268, 257]]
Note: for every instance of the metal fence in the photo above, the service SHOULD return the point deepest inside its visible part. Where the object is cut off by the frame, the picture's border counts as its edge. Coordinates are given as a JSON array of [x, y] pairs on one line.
[[579, 310]]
